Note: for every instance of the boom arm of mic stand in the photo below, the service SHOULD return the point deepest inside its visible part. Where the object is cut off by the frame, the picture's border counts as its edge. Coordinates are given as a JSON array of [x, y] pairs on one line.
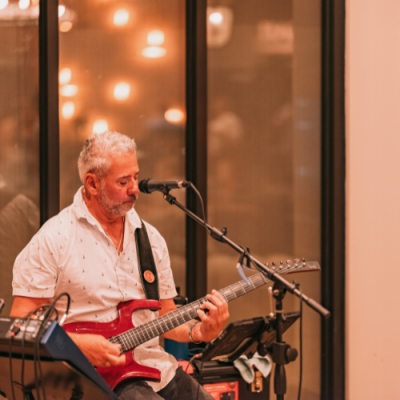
[[270, 274]]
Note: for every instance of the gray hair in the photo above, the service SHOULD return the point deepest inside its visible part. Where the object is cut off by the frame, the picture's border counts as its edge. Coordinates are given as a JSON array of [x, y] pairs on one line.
[[95, 155]]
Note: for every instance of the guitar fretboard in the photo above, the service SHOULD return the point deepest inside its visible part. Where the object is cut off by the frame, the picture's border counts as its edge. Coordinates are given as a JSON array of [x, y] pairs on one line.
[[143, 333]]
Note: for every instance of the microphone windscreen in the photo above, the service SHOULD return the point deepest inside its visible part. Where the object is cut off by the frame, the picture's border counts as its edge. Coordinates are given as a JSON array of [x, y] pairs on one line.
[[143, 186]]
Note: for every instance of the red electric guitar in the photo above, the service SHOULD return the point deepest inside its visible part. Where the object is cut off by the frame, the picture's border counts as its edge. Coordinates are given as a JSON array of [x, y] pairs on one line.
[[122, 331]]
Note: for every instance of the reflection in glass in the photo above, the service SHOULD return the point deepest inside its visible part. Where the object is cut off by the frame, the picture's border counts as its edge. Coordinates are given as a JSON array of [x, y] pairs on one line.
[[19, 132], [122, 87], [263, 152]]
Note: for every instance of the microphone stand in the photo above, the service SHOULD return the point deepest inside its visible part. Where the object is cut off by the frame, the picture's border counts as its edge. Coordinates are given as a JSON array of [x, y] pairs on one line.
[[281, 352]]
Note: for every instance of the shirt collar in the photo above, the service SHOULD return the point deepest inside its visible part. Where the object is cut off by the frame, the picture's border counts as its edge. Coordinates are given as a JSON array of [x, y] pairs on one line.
[[82, 212]]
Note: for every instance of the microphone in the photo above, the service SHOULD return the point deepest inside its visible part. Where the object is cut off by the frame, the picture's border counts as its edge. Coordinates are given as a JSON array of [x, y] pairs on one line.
[[151, 185]]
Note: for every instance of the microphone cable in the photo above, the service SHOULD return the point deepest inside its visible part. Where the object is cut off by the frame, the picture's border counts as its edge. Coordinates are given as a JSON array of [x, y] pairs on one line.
[[202, 208]]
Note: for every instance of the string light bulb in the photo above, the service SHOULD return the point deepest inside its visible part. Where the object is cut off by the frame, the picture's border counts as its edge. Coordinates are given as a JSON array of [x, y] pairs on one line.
[[61, 11], [216, 18], [65, 26], [174, 116], [121, 17], [3, 4], [153, 52], [24, 4], [65, 76], [122, 91], [155, 38], [68, 109], [69, 90], [100, 126]]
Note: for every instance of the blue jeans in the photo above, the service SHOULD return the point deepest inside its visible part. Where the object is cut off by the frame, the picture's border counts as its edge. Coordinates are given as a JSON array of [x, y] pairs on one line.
[[181, 387]]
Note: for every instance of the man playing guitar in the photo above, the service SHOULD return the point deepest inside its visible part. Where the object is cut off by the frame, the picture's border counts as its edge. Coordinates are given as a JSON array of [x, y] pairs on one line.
[[89, 251]]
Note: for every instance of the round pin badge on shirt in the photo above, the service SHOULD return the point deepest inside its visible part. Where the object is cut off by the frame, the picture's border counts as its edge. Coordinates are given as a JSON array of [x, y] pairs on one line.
[[148, 276]]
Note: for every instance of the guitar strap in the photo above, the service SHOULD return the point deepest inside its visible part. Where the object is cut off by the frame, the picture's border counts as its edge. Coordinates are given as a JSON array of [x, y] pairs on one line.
[[146, 264]]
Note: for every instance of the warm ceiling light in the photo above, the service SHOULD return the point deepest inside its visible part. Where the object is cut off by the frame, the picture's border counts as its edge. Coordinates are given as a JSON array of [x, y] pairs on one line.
[[35, 2], [61, 11], [121, 17], [155, 38], [65, 76], [24, 4], [100, 126], [68, 109], [122, 90], [153, 52], [65, 26], [174, 115], [69, 90], [216, 18], [3, 4]]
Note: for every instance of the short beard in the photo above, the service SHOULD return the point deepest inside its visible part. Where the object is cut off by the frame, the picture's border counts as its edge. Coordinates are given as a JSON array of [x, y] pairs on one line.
[[118, 209]]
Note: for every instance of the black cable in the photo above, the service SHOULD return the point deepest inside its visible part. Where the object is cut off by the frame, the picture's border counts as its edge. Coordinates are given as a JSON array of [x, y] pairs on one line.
[[11, 371], [46, 318], [301, 344], [187, 366], [202, 208], [28, 320]]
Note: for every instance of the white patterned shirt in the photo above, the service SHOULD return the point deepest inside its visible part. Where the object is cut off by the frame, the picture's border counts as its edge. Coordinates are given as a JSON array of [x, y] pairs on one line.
[[72, 253]]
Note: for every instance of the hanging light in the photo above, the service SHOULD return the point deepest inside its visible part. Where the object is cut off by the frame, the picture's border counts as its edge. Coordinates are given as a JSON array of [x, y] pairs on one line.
[[69, 90], [68, 109], [24, 4], [61, 11], [122, 91], [216, 18], [3, 4], [65, 26], [100, 126], [174, 116], [219, 26], [155, 38], [121, 17], [154, 52], [65, 76]]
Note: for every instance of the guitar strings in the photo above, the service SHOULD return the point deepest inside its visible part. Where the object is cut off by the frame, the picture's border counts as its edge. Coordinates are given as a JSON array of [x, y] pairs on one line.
[[137, 336]]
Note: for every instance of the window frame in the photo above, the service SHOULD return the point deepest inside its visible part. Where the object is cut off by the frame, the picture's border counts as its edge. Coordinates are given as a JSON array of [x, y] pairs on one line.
[[332, 163]]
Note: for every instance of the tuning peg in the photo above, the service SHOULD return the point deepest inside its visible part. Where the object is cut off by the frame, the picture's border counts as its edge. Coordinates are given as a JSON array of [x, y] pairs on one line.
[[281, 265]]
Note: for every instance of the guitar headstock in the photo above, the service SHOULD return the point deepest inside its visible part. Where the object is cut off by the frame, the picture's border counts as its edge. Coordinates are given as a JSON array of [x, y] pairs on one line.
[[294, 266]]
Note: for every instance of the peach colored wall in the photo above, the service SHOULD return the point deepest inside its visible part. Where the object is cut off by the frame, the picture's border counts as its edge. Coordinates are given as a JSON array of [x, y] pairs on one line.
[[373, 199]]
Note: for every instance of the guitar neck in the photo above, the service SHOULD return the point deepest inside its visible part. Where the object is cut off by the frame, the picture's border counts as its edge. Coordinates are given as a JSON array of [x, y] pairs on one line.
[[143, 333]]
